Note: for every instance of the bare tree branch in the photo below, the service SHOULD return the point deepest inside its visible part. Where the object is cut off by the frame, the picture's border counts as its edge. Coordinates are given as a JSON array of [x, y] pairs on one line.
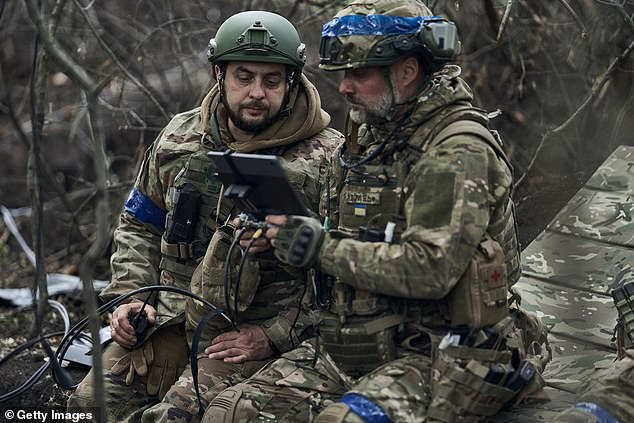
[[125, 70], [596, 89], [505, 18], [584, 31], [63, 59]]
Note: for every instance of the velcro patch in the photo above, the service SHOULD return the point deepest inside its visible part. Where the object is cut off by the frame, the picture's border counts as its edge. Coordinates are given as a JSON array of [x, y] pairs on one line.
[[361, 197]]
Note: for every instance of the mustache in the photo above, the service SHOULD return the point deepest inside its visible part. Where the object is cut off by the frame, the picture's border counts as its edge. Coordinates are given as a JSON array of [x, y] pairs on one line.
[[351, 99], [253, 105]]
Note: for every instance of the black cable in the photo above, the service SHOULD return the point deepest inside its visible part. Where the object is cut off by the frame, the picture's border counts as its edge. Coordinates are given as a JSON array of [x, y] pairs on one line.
[[376, 151], [26, 345], [40, 338], [75, 331], [299, 311], [243, 260]]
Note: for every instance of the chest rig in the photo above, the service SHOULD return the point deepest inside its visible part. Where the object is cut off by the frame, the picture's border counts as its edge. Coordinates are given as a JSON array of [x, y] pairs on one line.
[[360, 329], [195, 211]]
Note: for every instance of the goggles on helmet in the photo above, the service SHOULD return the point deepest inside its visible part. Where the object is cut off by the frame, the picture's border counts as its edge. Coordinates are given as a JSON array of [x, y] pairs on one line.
[[353, 41]]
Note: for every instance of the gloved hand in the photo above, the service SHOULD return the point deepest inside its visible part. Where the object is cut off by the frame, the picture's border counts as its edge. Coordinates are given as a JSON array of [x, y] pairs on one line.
[[159, 361], [297, 242]]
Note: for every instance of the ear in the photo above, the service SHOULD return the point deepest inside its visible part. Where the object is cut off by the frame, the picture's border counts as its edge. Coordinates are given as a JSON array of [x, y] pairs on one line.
[[217, 72], [409, 72]]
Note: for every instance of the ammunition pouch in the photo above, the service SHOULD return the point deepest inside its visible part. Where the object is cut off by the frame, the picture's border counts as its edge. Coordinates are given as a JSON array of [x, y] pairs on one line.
[[479, 299], [181, 223], [179, 246], [474, 376], [624, 301]]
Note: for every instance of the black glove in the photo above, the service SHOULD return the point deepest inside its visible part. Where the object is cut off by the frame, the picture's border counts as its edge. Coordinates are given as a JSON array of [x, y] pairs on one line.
[[298, 242]]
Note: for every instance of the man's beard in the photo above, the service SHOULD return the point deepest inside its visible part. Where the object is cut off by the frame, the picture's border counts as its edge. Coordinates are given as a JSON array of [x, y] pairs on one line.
[[250, 126], [372, 114], [379, 112]]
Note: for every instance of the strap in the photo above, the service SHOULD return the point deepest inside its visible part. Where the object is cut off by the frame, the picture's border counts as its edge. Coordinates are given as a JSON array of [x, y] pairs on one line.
[[466, 124], [469, 127], [181, 250], [193, 356], [482, 354], [377, 325]]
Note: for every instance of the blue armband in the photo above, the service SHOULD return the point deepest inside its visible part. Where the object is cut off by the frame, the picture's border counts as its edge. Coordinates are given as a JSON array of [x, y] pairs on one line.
[[601, 415], [365, 408], [144, 209]]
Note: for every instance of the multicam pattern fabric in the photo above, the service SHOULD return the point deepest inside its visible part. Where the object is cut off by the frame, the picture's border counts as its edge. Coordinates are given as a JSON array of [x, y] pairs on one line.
[[433, 241], [304, 144], [569, 272], [306, 380]]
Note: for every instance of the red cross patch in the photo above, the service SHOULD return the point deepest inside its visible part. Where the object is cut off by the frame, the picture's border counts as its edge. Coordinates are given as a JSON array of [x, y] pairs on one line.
[[496, 275]]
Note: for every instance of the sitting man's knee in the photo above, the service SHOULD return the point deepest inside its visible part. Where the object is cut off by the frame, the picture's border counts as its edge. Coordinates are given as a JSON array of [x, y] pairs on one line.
[[224, 408], [353, 408], [82, 396]]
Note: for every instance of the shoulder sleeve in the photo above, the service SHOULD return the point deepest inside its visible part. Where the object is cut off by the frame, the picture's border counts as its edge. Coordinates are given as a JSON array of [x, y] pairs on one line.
[[137, 238]]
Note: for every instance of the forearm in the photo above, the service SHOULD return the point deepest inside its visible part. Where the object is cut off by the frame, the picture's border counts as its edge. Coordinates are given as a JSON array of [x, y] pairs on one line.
[[411, 269]]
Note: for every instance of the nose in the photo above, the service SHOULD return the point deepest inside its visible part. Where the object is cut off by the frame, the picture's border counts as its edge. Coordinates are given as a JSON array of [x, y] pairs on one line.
[[345, 86], [257, 90]]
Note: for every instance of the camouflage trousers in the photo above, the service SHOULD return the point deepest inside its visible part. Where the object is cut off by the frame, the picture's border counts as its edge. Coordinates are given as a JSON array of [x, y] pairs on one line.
[[180, 404], [302, 384], [124, 403]]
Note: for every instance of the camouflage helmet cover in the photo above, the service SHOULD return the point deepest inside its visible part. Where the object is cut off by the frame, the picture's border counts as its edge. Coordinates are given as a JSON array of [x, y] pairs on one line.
[[379, 32], [257, 36]]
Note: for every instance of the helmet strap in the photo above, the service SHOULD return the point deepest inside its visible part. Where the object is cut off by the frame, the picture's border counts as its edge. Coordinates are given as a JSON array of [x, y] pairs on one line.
[[292, 80], [221, 80], [409, 102]]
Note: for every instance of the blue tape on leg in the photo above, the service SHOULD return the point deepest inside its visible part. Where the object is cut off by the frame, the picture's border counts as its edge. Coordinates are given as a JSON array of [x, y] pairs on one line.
[[365, 408]]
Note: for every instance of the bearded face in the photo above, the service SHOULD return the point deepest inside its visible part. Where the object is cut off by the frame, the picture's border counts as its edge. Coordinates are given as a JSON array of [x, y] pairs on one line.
[[370, 96], [253, 94]]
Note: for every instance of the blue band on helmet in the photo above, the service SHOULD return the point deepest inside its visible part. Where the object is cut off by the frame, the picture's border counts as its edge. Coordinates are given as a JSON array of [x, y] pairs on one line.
[[365, 408], [144, 209], [601, 415], [374, 25]]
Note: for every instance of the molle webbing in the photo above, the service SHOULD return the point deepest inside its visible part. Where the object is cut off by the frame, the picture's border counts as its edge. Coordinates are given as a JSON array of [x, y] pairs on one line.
[[361, 347]]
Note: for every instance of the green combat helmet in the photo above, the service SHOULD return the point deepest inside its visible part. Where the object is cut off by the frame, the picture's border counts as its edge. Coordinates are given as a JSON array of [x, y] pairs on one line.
[[258, 36], [380, 32]]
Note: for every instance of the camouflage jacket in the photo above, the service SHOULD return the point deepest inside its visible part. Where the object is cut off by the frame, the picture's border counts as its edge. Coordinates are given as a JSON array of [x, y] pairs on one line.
[[145, 254], [439, 201]]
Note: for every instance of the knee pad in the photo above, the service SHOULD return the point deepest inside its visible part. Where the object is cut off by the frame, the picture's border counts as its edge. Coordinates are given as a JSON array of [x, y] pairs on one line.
[[223, 408]]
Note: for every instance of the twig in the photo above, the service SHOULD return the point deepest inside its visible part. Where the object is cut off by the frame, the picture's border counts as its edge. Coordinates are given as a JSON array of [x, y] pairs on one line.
[[584, 31], [593, 93], [505, 18], [125, 70], [89, 87], [48, 172]]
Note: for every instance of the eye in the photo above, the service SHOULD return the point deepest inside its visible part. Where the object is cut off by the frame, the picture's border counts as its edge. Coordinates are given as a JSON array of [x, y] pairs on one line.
[[359, 73], [272, 82]]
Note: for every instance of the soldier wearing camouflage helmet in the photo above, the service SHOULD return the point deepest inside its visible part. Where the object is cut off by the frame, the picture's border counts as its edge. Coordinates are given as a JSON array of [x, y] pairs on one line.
[[418, 250], [176, 225]]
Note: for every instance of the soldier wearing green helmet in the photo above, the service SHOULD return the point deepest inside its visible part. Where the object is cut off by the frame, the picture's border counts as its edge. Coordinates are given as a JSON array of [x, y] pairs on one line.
[[176, 228], [418, 252]]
